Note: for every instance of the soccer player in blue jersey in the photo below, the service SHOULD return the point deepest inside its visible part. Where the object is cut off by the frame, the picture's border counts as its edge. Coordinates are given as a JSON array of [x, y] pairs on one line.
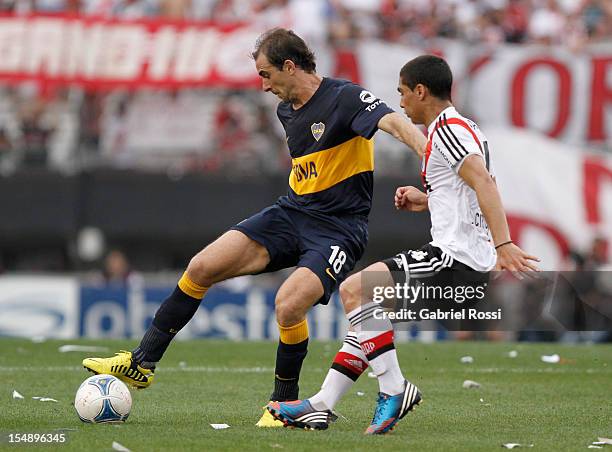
[[320, 226]]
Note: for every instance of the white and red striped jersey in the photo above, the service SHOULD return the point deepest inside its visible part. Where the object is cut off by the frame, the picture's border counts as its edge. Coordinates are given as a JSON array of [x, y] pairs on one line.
[[457, 224]]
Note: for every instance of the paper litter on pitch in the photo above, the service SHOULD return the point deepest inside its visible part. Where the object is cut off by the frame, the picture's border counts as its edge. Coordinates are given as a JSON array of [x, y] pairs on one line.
[[600, 443], [120, 447], [219, 426], [44, 399], [470, 384], [551, 359], [16, 395], [359, 393], [513, 445], [467, 360], [81, 348], [372, 375], [512, 354]]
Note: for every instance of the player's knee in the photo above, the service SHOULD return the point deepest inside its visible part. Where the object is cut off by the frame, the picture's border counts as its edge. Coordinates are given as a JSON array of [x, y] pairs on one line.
[[284, 314], [201, 271], [288, 312], [350, 293]]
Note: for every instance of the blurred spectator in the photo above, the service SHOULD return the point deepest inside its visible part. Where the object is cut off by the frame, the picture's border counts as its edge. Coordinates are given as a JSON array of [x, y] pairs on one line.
[[597, 18], [134, 9], [7, 5], [232, 10], [201, 9], [36, 126], [547, 23], [597, 258], [245, 138], [271, 13], [308, 19], [268, 146], [52, 6], [37, 129], [90, 116], [230, 130], [492, 32], [117, 269], [342, 29], [583, 297], [516, 21], [175, 9], [11, 144]]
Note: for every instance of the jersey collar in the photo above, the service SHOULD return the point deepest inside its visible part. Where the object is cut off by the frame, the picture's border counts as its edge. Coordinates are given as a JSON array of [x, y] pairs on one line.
[[449, 111]]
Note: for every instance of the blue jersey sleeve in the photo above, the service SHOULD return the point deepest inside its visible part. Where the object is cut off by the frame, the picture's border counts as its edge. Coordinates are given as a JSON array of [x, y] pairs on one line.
[[363, 110]]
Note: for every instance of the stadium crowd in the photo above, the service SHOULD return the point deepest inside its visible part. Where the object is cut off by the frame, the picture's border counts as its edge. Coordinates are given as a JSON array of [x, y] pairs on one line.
[[570, 22], [69, 129]]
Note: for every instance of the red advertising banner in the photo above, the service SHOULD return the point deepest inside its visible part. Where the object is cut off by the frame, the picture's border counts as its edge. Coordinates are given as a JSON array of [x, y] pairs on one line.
[[100, 53], [563, 94]]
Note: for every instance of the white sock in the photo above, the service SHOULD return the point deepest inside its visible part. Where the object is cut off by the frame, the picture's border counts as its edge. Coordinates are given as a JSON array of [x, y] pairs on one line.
[[350, 362], [376, 339]]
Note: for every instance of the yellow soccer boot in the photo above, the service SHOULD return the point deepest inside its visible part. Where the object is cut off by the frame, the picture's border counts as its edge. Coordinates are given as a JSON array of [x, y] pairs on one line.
[[123, 367]]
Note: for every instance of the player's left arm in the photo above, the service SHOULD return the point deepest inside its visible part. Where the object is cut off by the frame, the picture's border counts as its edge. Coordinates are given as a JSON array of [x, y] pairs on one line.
[[509, 256], [405, 131]]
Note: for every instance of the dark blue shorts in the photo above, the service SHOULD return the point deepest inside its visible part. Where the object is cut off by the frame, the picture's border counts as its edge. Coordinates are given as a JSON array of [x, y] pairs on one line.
[[328, 245]]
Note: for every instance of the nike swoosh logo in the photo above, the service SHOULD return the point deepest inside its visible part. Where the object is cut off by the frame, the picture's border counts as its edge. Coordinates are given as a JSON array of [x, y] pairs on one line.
[[329, 273]]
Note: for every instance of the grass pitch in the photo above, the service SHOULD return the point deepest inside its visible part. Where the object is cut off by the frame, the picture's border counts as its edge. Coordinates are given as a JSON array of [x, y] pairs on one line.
[[561, 406]]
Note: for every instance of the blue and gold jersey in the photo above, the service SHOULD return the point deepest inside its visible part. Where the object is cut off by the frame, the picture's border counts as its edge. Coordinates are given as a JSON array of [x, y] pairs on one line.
[[331, 147]]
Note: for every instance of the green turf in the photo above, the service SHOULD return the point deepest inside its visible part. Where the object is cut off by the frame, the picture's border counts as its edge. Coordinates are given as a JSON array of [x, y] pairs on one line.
[[553, 406]]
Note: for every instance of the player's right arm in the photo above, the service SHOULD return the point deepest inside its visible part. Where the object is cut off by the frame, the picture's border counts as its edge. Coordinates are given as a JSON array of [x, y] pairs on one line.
[[405, 131]]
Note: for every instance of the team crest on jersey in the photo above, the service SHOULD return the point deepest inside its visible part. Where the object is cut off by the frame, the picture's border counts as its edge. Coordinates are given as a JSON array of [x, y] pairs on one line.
[[367, 97], [418, 255], [317, 130], [399, 262]]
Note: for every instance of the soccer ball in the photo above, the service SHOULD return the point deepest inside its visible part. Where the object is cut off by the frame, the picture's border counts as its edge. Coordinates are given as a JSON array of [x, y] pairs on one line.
[[103, 398]]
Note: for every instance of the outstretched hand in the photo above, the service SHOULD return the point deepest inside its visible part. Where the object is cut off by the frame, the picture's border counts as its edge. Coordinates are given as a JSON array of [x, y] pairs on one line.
[[510, 257], [411, 199]]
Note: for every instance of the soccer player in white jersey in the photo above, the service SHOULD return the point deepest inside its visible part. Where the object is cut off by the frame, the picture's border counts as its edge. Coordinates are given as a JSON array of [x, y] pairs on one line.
[[470, 237]]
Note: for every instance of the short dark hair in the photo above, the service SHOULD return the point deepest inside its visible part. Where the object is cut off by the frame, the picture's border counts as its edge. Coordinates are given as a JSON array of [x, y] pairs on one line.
[[430, 71], [279, 45]]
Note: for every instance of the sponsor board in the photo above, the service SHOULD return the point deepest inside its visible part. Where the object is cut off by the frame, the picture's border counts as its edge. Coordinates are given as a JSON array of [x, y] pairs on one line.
[[39, 306], [62, 307], [244, 314]]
